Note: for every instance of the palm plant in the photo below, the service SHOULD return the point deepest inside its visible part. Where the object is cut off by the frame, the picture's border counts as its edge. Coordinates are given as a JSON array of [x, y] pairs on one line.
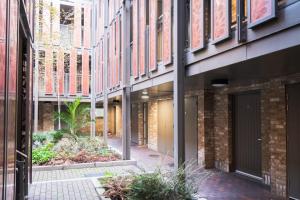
[[76, 116]]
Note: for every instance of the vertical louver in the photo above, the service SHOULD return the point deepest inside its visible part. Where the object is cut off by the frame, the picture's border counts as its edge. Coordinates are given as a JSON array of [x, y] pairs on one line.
[[48, 71], [167, 32], [85, 73], [142, 38], [220, 20], [197, 24], [152, 35], [135, 39], [60, 71], [72, 73], [77, 25], [87, 25]]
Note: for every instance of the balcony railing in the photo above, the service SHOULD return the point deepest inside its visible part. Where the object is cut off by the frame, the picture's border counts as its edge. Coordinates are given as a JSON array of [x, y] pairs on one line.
[[55, 85]]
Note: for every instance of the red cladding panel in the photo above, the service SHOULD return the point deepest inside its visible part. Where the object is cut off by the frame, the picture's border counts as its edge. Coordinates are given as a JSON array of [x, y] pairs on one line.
[[85, 73], [167, 32], [142, 24], [2, 19], [135, 39], [117, 66], [260, 9], [60, 72], [197, 24], [73, 69], [101, 66], [113, 66], [152, 35], [77, 25], [220, 20], [2, 69], [87, 25], [48, 71]]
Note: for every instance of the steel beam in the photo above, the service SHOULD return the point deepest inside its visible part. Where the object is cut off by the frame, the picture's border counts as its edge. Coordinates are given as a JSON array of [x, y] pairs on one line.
[[179, 76]]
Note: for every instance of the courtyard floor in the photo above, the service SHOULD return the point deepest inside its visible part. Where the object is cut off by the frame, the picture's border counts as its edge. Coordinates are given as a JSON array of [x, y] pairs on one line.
[[71, 184], [146, 158]]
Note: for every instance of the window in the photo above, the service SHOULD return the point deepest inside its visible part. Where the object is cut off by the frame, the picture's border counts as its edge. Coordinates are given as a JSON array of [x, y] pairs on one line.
[[159, 30], [41, 5], [42, 70], [55, 69], [79, 73], [66, 14], [82, 25], [243, 10]]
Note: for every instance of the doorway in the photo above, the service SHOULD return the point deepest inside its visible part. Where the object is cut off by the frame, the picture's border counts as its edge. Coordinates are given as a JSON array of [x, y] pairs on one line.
[[293, 132], [191, 130], [165, 127], [247, 134]]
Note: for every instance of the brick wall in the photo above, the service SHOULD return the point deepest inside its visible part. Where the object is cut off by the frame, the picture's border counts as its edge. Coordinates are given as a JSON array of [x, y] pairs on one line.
[[46, 117], [140, 124], [273, 129]]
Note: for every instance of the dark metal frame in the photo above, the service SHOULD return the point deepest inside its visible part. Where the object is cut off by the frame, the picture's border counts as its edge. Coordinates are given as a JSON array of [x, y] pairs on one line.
[[228, 13], [265, 19], [204, 3]]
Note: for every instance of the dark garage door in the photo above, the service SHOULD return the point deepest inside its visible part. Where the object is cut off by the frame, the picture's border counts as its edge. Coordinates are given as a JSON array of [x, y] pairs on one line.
[[247, 133], [293, 129]]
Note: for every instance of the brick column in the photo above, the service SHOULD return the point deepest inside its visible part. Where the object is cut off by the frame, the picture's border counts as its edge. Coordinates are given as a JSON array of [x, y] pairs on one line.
[[140, 124], [152, 125], [208, 125], [278, 144]]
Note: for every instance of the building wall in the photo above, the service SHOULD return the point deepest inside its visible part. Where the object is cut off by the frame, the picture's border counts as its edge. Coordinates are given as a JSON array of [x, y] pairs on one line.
[[153, 125], [273, 129], [46, 117]]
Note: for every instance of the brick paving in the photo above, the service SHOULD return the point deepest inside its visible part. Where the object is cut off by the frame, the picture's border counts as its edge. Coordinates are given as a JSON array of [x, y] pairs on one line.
[[228, 186], [71, 184]]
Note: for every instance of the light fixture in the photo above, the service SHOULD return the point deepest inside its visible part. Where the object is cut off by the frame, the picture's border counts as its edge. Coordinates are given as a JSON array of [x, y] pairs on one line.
[[145, 97], [219, 83], [145, 92]]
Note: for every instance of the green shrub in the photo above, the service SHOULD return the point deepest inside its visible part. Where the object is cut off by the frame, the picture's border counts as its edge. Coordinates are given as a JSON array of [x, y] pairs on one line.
[[57, 136], [39, 137], [149, 187], [43, 154]]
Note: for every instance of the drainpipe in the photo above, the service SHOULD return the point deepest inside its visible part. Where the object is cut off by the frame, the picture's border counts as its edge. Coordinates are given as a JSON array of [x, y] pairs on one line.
[[178, 83], [126, 108]]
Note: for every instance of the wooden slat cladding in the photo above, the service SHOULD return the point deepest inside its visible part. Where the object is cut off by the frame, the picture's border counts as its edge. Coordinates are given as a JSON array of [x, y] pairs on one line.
[[101, 67], [110, 56], [85, 73], [135, 39], [60, 72], [152, 35], [142, 38], [72, 73], [117, 65], [48, 71], [77, 25], [167, 32], [56, 24], [220, 20], [113, 64], [197, 22], [87, 25], [261, 11]]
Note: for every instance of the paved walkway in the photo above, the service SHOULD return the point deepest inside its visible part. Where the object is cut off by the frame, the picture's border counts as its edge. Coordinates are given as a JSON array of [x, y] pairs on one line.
[[71, 184], [147, 159], [228, 186]]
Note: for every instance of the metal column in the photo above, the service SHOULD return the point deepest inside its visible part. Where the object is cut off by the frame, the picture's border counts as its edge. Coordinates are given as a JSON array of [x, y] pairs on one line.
[[105, 47], [179, 76], [93, 69], [126, 107]]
